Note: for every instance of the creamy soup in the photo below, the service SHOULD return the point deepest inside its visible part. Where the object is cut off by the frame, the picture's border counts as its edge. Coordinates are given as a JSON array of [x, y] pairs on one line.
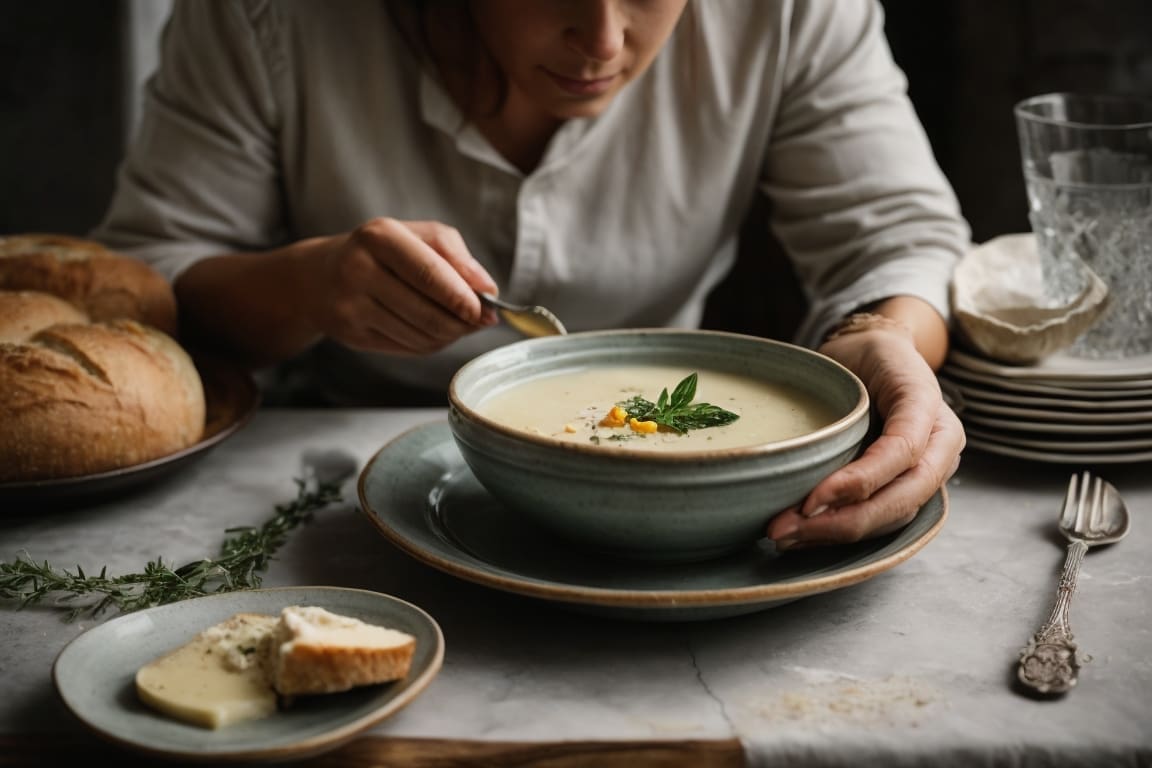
[[577, 406]]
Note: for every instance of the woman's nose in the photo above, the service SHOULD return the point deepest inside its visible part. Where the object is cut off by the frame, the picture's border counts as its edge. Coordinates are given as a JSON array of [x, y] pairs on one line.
[[598, 33]]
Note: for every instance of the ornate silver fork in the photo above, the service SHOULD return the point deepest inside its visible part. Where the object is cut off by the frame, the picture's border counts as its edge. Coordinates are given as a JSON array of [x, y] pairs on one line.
[[1093, 514]]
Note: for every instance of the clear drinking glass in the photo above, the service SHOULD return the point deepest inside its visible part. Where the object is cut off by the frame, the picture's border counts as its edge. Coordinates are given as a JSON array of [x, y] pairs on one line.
[[1088, 171]]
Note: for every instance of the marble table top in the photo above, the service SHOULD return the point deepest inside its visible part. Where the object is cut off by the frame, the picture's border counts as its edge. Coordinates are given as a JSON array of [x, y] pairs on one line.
[[914, 666]]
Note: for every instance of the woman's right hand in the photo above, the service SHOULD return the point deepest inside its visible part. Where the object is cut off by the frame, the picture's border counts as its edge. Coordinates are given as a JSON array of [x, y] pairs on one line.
[[402, 287]]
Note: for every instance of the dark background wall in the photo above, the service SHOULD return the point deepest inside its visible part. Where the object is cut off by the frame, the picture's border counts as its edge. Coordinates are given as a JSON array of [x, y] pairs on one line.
[[62, 110]]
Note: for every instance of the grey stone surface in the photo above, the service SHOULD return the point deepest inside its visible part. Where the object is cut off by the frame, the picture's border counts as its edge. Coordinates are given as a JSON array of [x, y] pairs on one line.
[[914, 666]]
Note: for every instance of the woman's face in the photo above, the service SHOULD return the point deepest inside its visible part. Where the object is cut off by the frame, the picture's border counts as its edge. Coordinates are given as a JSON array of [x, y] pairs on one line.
[[569, 58]]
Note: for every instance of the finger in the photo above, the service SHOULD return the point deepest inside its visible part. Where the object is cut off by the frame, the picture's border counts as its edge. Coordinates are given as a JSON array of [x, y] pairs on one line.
[[430, 280], [889, 509], [415, 331], [411, 319], [401, 323], [908, 426], [449, 243], [364, 324], [883, 513]]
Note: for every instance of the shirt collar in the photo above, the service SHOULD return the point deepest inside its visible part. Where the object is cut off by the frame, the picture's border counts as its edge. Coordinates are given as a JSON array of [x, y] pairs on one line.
[[439, 111]]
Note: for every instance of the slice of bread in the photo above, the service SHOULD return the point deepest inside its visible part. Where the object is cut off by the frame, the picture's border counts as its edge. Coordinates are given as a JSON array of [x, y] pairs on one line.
[[316, 651]]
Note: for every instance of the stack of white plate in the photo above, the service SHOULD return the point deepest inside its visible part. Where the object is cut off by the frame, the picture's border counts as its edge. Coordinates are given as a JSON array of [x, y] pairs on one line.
[[1063, 409]]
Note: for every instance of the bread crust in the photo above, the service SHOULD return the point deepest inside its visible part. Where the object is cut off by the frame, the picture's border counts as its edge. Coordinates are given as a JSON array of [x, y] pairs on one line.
[[23, 313], [312, 669], [315, 651], [105, 284], [85, 398]]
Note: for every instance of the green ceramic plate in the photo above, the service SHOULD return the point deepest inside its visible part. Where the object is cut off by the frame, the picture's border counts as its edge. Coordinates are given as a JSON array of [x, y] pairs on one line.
[[420, 494], [95, 677]]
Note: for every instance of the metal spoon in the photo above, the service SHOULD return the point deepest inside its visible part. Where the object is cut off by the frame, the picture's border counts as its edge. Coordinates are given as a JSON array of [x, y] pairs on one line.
[[1093, 514], [529, 320]]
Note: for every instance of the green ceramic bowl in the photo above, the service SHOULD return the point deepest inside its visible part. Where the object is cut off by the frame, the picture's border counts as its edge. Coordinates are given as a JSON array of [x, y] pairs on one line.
[[653, 506]]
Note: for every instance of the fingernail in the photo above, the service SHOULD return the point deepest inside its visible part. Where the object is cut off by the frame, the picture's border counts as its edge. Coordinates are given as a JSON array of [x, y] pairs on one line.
[[782, 544], [789, 528], [818, 511]]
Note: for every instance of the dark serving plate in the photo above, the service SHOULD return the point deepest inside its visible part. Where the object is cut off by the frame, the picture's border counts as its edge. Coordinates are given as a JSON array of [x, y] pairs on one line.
[[231, 396]]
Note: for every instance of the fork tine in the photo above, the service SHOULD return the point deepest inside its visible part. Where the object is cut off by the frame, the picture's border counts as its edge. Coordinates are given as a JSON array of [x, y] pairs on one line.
[[1068, 513]]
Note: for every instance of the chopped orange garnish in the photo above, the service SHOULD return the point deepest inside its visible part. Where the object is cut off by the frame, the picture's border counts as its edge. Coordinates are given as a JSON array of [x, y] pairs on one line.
[[642, 426], [617, 417], [569, 428]]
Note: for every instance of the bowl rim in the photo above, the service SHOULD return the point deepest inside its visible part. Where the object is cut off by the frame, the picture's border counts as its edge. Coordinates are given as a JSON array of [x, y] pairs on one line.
[[848, 421]]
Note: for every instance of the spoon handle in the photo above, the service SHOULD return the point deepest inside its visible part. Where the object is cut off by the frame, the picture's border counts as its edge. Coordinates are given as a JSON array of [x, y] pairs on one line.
[[1049, 663], [495, 303]]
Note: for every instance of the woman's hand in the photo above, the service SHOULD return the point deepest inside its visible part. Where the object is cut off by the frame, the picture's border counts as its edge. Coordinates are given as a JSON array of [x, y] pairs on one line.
[[403, 287], [917, 452]]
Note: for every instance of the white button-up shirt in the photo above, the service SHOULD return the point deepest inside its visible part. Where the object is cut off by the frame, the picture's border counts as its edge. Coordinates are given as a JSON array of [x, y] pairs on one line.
[[269, 122]]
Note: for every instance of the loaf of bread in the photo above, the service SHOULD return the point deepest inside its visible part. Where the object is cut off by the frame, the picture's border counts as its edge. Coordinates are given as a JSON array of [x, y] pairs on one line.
[[91, 376], [316, 651], [105, 284], [81, 397]]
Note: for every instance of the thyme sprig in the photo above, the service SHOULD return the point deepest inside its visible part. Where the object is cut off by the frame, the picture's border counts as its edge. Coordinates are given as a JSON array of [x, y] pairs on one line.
[[244, 555], [677, 411]]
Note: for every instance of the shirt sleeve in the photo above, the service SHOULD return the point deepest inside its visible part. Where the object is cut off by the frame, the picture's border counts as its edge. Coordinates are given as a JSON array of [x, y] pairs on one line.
[[201, 174], [858, 199]]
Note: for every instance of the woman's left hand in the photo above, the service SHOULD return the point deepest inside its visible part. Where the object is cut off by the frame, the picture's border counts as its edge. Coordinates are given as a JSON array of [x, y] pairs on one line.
[[917, 452]]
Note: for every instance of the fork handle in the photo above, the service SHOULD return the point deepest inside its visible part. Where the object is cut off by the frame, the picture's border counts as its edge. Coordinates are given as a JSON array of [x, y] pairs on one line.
[[1049, 663]]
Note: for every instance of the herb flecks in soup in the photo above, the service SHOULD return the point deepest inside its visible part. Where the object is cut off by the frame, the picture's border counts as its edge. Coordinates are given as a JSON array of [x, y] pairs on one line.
[[609, 406]]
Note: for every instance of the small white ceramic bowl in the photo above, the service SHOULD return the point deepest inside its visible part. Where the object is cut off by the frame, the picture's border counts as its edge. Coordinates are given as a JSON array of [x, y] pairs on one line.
[[639, 504], [1000, 307]]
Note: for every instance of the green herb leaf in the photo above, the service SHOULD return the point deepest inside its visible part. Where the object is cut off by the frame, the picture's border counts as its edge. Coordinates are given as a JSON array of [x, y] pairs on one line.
[[242, 558], [677, 412]]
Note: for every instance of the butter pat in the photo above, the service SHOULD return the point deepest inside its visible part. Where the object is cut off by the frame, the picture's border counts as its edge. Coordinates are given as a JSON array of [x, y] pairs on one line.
[[218, 678]]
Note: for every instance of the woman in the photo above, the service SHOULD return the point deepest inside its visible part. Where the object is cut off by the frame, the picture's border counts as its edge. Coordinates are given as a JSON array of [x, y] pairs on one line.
[[329, 184]]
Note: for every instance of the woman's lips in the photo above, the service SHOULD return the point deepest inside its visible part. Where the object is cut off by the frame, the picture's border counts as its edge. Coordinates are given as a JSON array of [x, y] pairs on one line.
[[582, 87]]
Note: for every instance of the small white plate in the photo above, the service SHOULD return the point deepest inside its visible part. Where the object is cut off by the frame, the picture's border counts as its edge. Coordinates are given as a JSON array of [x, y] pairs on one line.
[[1061, 443], [1079, 390], [1047, 455], [1043, 402], [1136, 432], [95, 675], [1061, 367]]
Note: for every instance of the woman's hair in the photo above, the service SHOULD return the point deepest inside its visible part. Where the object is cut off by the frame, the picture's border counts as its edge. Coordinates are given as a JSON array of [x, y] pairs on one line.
[[442, 35]]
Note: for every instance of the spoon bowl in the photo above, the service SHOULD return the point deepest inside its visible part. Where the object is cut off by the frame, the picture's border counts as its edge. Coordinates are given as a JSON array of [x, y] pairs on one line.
[[1094, 512], [532, 321]]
